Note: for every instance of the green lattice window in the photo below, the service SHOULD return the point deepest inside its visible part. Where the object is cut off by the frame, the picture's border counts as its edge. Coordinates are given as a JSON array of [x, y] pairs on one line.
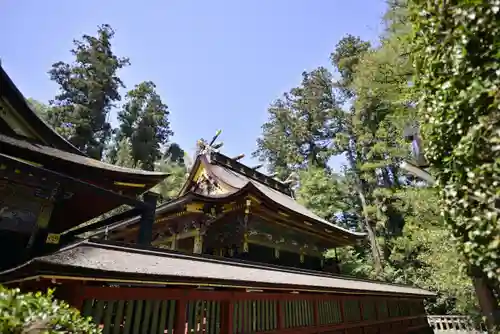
[[250, 316], [329, 312], [298, 313], [134, 316], [351, 310], [393, 308], [369, 309], [382, 311]]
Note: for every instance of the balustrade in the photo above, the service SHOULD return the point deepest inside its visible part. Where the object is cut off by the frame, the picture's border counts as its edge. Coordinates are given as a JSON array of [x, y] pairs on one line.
[[454, 324]]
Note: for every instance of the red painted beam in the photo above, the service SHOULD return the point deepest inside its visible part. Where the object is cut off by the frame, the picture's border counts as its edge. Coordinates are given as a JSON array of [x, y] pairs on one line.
[[315, 313], [180, 325]]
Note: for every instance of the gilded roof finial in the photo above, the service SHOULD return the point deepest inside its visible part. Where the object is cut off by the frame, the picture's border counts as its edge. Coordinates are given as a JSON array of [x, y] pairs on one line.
[[204, 147]]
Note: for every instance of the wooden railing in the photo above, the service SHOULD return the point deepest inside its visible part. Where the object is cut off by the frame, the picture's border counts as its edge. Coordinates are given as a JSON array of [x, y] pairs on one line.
[[454, 324], [122, 310]]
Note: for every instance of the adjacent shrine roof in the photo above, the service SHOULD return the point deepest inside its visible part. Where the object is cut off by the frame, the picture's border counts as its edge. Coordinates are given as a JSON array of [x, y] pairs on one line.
[[116, 263], [27, 123], [29, 143], [77, 200], [26, 136], [82, 167]]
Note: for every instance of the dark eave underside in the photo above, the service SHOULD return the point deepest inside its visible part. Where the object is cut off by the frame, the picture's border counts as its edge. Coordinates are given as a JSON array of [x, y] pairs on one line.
[[117, 262], [56, 153], [88, 201]]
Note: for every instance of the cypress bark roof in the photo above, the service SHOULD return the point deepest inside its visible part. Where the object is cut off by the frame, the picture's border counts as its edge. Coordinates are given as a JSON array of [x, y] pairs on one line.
[[115, 262], [239, 181], [239, 177]]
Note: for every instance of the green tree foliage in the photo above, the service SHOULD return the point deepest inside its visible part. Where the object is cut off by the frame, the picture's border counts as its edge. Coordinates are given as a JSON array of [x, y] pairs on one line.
[[375, 100], [457, 56], [345, 58], [171, 186], [88, 90], [175, 153], [123, 156], [144, 121], [416, 246], [356, 138], [325, 193], [41, 109], [301, 126], [425, 254], [32, 313]]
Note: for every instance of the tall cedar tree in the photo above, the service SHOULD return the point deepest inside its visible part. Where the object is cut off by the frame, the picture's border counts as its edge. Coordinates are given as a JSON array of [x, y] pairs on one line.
[[175, 154], [301, 126], [405, 219], [345, 58], [144, 121], [88, 89], [329, 196]]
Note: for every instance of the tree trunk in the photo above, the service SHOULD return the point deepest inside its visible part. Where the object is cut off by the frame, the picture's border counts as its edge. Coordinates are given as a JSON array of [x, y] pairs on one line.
[[353, 157], [486, 298], [377, 262]]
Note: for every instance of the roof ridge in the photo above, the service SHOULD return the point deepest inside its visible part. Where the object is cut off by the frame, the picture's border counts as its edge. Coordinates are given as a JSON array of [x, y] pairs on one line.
[[223, 160]]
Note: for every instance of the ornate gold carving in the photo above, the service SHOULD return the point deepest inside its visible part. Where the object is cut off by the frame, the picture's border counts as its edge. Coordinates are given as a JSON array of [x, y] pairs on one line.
[[53, 238], [198, 242], [245, 243], [284, 214], [194, 207]]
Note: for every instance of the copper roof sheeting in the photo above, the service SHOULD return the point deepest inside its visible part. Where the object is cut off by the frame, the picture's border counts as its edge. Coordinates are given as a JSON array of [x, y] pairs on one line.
[[119, 261]]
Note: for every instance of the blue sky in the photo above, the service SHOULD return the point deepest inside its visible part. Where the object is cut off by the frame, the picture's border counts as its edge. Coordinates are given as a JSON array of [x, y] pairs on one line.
[[218, 64]]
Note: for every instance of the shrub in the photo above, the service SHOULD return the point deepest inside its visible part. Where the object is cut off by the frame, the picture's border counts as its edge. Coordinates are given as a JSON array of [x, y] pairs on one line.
[[37, 313]]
